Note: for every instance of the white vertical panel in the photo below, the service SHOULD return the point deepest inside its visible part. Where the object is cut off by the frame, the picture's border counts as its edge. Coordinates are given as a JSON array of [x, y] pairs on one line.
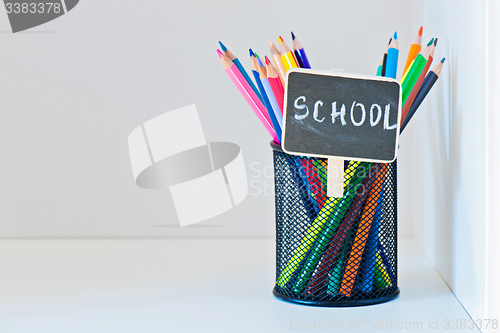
[[448, 149], [492, 287]]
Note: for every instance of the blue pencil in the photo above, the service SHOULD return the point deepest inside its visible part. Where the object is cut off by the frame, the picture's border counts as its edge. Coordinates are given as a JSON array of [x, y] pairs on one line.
[[392, 58], [300, 54], [270, 94], [300, 183], [386, 262], [267, 103], [426, 86], [371, 246], [238, 64]]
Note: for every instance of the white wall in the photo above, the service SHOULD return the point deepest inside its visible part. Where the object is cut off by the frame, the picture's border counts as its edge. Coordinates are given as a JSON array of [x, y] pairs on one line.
[[449, 150], [73, 89]]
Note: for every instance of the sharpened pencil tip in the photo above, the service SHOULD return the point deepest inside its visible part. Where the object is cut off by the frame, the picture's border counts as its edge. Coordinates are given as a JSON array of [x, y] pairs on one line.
[[267, 61], [251, 53], [442, 60], [293, 36], [222, 46], [430, 42], [435, 42], [280, 40], [420, 31], [259, 62], [271, 44], [390, 40], [219, 53], [395, 35]]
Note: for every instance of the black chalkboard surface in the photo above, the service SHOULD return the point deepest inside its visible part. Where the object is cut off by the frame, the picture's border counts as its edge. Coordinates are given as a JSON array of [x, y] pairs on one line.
[[348, 116]]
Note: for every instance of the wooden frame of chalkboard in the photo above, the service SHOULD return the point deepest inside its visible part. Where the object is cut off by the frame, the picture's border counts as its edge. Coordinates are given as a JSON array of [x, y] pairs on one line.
[[340, 115]]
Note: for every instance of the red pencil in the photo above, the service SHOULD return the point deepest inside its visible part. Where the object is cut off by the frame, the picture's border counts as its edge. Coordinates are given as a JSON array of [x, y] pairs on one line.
[[275, 82]]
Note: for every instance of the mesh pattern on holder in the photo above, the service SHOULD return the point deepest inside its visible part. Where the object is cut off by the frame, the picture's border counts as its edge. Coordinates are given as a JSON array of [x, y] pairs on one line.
[[335, 251]]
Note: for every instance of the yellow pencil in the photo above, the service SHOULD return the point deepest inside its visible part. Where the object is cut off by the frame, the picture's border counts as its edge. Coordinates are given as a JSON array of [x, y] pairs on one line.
[[287, 55]]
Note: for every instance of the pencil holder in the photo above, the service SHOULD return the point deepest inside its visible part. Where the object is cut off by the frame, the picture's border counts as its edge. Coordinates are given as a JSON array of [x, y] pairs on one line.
[[335, 251]]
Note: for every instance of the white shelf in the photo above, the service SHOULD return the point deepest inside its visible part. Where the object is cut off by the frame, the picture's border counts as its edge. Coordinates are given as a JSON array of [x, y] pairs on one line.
[[188, 285]]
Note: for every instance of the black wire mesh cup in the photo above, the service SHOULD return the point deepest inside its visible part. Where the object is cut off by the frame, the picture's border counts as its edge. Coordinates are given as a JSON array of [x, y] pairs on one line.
[[335, 251]]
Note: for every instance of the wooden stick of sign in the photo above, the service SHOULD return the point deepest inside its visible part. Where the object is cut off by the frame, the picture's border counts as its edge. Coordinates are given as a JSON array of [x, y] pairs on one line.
[[335, 178]]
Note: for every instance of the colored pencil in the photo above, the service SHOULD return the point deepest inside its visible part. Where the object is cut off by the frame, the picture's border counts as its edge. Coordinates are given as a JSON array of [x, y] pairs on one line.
[[403, 78], [381, 276], [318, 192], [414, 49], [416, 87], [302, 207], [267, 102], [238, 64], [314, 231], [426, 86], [287, 55], [270, 95], [392, 58], [248, 93], [301, 184], [278, 63], [327, 232], [384, 61], [365, 224], [414, 72], [275, 82], [308, 184], [322, 170], [368, 269], [385, 261], [300, 54], [379, 68]]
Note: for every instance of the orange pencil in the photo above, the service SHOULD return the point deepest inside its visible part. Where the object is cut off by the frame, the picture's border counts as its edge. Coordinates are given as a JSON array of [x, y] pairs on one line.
[[277, 62], [357, 249], [414, 49], [416, 87], [287, 55], [275, 82]]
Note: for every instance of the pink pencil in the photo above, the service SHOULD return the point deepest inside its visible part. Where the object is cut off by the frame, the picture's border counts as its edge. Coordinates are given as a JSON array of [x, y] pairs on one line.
[[275, 82], [247, 92]]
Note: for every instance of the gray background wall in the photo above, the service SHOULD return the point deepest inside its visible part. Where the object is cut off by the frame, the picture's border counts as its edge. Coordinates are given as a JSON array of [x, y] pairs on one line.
[[73, 89]]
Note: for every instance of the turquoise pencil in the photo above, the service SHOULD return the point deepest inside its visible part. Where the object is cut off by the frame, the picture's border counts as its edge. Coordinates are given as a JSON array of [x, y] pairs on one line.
[[238, 64], [392, 58]]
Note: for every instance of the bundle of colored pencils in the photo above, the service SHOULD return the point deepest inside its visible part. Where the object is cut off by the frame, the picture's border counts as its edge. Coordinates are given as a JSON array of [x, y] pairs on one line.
[[341, 242], [266, 95]]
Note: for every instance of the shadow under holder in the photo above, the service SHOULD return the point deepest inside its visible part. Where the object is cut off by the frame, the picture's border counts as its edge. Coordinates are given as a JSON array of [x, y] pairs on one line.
[[335, 252]]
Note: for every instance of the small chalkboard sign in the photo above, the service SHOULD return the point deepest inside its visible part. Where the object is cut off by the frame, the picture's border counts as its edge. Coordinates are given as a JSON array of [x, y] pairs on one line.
[[340, 115]]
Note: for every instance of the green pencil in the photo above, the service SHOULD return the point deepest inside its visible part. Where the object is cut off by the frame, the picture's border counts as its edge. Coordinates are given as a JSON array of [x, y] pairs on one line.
[[414, 72]]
